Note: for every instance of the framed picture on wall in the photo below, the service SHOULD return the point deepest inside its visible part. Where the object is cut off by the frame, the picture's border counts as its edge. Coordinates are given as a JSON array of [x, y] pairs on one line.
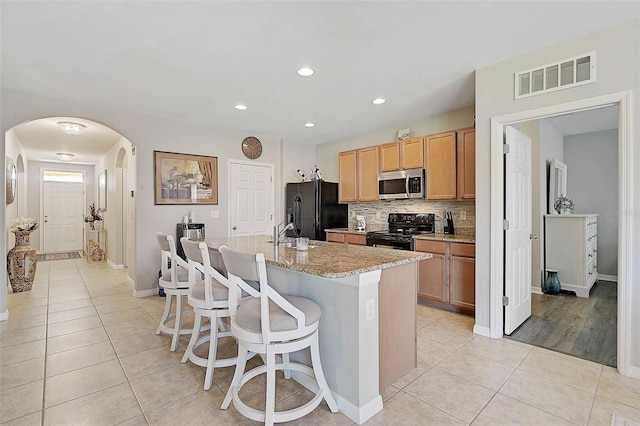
[[102, 191], [185, 178]]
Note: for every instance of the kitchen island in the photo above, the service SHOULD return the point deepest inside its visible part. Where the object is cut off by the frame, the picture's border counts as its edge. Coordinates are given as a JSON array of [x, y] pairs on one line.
[[368, 323]]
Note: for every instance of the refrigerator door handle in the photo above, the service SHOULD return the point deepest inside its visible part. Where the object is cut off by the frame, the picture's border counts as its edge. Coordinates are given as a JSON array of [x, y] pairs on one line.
[[297, 215]]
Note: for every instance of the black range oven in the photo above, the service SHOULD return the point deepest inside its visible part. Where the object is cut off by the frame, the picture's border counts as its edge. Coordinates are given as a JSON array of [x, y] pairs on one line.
[[402, 228]]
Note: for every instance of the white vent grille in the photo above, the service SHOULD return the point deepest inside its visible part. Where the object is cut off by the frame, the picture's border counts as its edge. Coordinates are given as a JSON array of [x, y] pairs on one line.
[[570, 72]]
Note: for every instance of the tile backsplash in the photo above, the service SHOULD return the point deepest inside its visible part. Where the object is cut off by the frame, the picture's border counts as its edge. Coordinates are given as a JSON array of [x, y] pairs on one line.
[[378, 213]]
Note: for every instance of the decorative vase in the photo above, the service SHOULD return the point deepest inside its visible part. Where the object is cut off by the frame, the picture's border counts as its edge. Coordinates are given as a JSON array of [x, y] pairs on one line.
[[97, 225], [21, 263], [552, 283]]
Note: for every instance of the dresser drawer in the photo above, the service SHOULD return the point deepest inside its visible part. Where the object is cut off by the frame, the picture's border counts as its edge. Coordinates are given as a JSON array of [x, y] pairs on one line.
[[465, 250], [431, 246], [335, 237]]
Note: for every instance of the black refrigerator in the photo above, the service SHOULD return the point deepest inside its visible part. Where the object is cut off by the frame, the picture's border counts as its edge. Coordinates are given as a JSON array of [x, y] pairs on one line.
[[313, 207]]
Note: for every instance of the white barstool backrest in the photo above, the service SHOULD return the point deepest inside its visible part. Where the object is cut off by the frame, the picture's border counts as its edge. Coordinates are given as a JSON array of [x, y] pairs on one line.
[[210, 264], [243, 267], [168, 252]]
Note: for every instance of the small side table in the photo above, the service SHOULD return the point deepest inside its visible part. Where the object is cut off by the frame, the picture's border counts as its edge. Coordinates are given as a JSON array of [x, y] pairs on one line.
[[95, 245]]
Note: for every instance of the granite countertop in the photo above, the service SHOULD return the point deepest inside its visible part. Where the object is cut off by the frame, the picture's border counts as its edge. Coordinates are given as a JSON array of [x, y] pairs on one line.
[[329, 260], [455, 238]]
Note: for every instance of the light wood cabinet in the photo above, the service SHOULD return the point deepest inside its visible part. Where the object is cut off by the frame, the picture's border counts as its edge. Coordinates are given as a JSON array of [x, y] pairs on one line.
[[440, 152], [448, 278], [343, 237], [368, 174], [348, 165], [389, 157], [412, 153], [450, 160], [466, 153]]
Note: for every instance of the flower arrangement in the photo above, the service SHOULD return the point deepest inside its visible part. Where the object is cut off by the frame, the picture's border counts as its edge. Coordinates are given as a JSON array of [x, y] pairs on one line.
[[93, 214], [23, 224], [562, 204]]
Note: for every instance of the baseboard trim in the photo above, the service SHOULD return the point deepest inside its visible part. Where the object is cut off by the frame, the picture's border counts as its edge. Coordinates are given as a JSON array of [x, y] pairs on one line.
[[113, 265], [536, 290], [633, 372], [4, 315], [131, 281], [604, 277], [359, 414], [145, 293], [481, 330]]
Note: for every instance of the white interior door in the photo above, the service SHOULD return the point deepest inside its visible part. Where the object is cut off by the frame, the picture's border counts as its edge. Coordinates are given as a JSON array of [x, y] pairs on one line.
[[252, 205], [63, 216], [517, 262]]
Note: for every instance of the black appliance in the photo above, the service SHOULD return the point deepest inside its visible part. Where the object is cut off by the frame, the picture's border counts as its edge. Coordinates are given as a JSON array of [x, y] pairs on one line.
[[402, 228], [193, 231], [313, 207], [401, 184]]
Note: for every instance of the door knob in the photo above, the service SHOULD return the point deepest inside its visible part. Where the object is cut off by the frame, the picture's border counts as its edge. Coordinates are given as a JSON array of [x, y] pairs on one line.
[[533, 237], [234, 228]]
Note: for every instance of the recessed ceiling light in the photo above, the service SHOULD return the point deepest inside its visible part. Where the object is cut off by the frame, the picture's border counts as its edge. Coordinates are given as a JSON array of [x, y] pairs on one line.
[[305, 72], [378, 101], [241, 107], [309, 124]]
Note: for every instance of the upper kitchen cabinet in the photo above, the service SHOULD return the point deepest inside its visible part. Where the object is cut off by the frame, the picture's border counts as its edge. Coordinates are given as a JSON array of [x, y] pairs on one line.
[[368, 174], [358, 175], [406, 154], [440, 153], [466, 144], [412, 153], [389, 156], [347, 188], [451, 165]]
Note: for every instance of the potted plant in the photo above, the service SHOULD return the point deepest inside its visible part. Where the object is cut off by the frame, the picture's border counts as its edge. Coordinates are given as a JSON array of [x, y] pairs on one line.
[[21, 259], [93, 218]]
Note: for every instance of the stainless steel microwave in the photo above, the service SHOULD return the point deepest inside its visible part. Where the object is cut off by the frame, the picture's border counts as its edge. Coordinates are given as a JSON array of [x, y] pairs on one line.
[[401, 184]]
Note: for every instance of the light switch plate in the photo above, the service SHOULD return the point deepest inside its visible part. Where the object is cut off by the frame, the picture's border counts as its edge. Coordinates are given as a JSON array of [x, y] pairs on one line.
[[463, 215], [215, 214]]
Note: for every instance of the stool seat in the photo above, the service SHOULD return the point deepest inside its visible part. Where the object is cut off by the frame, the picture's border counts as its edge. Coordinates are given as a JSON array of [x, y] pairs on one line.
[[182, 276], [248, 315], [198, 299]]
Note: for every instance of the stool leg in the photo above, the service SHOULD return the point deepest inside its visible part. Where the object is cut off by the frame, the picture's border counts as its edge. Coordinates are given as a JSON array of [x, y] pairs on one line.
[[197, 325], [271, 386], [317, 370], [178, 323], [285, 363], [237, 376], [213, 349], [165, 314]]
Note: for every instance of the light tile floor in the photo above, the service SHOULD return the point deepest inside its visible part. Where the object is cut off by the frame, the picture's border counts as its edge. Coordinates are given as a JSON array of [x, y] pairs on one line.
[[79, 349]]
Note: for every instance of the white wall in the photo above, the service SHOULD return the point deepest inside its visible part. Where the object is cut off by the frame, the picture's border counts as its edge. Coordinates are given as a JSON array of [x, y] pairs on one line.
[[592, 184], [18, 208], [327, 153], [149, 134], [618, 59]]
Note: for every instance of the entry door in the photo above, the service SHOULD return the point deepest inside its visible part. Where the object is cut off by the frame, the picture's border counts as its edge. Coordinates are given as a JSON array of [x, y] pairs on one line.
[[63, 216], [251, 207], [517, 276]]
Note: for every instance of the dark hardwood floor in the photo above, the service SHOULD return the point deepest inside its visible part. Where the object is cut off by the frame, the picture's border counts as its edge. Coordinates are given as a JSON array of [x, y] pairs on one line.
[[585, 328]]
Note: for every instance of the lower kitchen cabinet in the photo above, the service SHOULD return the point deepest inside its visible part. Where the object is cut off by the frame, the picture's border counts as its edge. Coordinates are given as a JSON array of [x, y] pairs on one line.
[[345, 237], [447, 280]]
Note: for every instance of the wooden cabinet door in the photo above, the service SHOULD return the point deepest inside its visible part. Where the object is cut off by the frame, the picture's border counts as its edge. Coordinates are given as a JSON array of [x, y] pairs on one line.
[[412, 153], [462, 282], [358, 239], [441, 166], [466, 145], [335, 237], [368, 174], [390, 157], [432, 278], [347, 187]]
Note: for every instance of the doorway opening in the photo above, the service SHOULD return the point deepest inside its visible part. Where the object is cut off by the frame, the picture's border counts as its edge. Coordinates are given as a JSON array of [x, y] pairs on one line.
[[625, 164]]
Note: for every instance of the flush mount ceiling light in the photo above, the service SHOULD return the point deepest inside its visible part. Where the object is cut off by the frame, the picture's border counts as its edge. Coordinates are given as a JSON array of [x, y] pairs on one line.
[[378, 101], [241, 107], [71, 128], [309, 124], [64, 156], [305, 72]]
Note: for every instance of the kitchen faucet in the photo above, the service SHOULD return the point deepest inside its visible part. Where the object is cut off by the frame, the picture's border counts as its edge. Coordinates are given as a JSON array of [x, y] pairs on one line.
[[277, 232]]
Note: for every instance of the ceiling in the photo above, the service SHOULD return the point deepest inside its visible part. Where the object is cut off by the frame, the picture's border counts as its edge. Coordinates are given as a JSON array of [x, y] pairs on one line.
[[193, 61], [593, 120]]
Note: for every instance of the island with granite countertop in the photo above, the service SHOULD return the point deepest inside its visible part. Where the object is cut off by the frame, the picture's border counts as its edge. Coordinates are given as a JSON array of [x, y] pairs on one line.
[[368, 301]]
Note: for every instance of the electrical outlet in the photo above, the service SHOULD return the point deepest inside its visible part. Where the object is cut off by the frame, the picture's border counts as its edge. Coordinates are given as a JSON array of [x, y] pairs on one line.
[[353, 214], [378, 215], [215, 214], [371, 310], [463, 215]]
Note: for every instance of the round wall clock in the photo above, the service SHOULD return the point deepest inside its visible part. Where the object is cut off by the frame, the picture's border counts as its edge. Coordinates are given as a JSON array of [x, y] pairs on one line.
[[251, 147]]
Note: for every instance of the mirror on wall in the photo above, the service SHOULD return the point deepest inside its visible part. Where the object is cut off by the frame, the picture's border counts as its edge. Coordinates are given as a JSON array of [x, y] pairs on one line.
[[557, 182]]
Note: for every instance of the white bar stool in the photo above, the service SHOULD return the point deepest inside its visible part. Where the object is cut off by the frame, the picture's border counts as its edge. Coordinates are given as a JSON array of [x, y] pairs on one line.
[[271, 324], [175, 281], [210, 299]]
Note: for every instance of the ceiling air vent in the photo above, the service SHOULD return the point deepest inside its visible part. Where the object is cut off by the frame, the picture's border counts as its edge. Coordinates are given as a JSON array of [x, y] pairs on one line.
[[560, 75]]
